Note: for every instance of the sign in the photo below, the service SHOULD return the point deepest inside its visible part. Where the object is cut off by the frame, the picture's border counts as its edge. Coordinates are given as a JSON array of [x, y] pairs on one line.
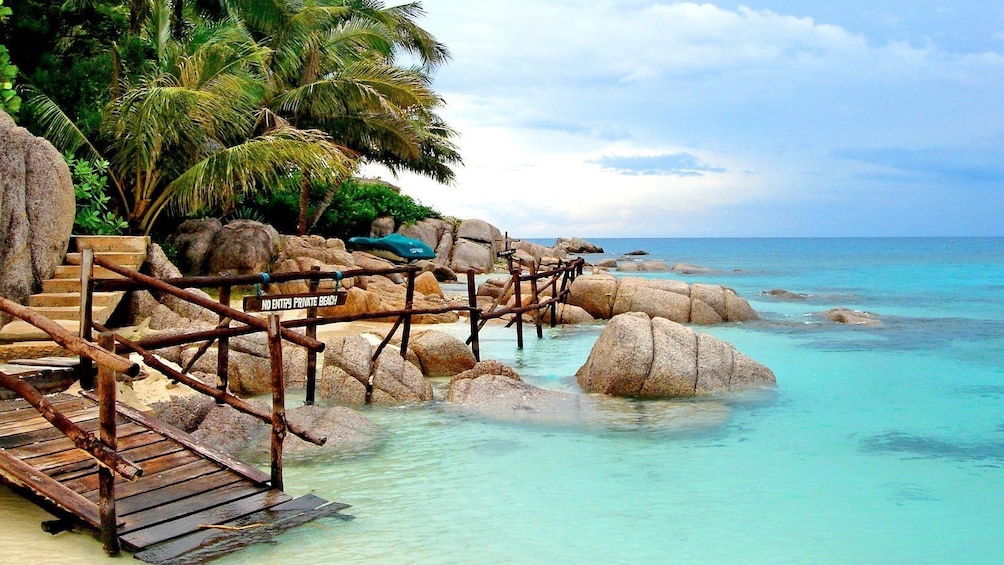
[[507, 253], [276, 302]]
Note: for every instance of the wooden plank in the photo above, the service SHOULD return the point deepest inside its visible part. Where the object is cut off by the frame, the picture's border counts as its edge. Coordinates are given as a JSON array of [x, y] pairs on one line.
[[40, 423], [219, 515], [66, 461], [23, 475], [198, 502], [74, 469], [206, 544], [62, 443], [191, 442], [14, 410], [188, 472], [179, 491]]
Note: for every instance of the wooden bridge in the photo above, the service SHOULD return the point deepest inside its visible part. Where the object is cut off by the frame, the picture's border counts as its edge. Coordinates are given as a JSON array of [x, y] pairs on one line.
[[138, 483], [192, 503]]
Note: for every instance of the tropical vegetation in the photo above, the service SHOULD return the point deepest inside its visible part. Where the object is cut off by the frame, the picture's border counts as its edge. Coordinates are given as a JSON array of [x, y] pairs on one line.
[[208, 104]]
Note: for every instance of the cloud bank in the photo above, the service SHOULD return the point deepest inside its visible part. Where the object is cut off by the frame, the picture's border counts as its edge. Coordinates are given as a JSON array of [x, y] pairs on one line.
[[642, 118]]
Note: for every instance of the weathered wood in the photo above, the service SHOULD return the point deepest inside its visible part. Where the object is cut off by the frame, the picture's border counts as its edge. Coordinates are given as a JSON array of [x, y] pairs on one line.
[[86, 318], [47, 380], [69, 341], [208, 304], [224, 322], [22, 475], [241, 280], [80, 438], [191, 502], [278, 399], [311, 332], [221, 396], [135, 509], [409, 303], [472, 300], [519, 314], [191, 442], [217, 515], [161, 471], [223, 350], [207, 543], [106, 423]]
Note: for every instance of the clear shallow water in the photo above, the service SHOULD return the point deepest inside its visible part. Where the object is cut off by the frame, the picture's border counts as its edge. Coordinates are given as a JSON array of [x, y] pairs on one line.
[[881, 445]]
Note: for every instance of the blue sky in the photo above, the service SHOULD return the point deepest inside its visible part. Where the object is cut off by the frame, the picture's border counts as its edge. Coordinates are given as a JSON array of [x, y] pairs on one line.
[[763, 118]]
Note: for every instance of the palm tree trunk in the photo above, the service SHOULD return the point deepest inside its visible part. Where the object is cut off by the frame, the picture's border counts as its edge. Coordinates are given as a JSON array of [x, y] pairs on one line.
[[322, 206], [301, 223]]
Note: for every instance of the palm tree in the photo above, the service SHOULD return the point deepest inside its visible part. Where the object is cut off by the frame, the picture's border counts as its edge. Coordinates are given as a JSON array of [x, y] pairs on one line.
[[241, 104], [195, 132]]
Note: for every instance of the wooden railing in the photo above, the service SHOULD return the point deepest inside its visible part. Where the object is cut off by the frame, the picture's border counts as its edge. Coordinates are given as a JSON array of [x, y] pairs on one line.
[[103, 447]]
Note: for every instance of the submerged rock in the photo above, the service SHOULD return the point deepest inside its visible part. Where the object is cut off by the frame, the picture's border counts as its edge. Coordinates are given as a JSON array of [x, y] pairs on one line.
[[852, 317]]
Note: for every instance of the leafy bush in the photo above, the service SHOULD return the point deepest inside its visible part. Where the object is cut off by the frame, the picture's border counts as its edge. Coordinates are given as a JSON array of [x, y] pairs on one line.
[[354, 208], [94, 213], [10, 102]]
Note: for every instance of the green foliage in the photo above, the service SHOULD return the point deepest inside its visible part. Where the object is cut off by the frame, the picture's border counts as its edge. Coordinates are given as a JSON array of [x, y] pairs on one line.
[[94, 213], [10, 102], [354, 208]]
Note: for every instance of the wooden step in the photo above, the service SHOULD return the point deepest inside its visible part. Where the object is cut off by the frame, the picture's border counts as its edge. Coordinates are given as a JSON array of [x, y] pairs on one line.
[[73, 299], [71, 312], [19, 330], [73, 272], [132, 260], [113, 243], [61, 286]]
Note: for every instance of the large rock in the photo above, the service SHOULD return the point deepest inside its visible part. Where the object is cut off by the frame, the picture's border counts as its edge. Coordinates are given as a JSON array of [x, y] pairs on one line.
[[349, 372], [243, 247], [852, 317], [594, 294], [382, 226], [604, 296], [638, 356], [330, 251], [37, 208], [471, 255], [229, 430], [440, 354], [192, 240], [576, 245], [481, 232]]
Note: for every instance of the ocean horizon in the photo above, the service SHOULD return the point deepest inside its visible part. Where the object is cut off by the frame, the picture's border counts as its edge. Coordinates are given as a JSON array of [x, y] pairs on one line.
[[880, 444]]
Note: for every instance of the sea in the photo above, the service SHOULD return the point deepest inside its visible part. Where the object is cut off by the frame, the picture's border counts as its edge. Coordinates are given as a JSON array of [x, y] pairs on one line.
[[880, 444]]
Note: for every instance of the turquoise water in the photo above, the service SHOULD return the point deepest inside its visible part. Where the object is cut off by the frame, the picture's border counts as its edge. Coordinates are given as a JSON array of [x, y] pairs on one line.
[[881, 445]]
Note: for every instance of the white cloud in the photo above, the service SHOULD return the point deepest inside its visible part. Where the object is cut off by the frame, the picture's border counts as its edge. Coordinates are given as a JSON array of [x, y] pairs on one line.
[[540, 91]]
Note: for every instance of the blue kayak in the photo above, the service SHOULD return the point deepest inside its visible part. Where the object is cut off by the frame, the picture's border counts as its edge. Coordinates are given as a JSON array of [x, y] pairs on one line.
[[395, 247]]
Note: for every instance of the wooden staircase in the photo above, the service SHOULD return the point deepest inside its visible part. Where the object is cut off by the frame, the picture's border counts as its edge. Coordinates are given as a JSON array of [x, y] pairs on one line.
[[60, 296]]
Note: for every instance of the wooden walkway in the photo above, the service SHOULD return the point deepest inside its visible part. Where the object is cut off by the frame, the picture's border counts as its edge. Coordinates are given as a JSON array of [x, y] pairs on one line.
[[191, 504]]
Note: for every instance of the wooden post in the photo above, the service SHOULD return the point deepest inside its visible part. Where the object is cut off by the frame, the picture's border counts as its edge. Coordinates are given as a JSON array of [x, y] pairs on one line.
[[517, 284], [106, 478], [312, 334], [223, 345], [86, 367], [278, 399], [409, 300], [535, 292], [554, 298], [472, 301]]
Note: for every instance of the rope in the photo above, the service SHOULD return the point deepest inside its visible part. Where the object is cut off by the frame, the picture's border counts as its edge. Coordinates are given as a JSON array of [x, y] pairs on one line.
[[265, 279]]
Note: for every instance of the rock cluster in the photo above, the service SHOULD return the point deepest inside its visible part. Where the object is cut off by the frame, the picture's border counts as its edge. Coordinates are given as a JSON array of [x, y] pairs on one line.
[[643, 357], [208, 247], [37, 208], [604, 296]]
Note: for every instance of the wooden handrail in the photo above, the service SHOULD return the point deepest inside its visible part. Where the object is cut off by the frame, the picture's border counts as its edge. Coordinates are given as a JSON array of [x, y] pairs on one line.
[[69, 341], [219, 395], [80, 438], [208, 304]]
